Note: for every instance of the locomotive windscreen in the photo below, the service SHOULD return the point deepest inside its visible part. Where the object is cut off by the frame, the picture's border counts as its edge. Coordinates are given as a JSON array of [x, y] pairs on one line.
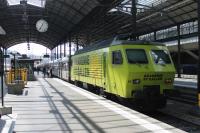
[[136, 56], [160, 57]]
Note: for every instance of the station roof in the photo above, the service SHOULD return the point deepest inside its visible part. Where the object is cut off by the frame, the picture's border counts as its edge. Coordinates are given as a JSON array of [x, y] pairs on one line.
[[62, 16], [88, 20], [167, 13]]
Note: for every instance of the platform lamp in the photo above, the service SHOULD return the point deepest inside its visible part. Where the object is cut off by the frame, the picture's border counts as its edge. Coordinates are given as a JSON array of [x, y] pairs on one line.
[[1, 74], [2, 32], [3, 110], [28, 46]]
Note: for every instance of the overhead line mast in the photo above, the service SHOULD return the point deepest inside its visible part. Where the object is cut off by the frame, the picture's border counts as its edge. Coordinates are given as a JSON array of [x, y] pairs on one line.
[[134, 19]]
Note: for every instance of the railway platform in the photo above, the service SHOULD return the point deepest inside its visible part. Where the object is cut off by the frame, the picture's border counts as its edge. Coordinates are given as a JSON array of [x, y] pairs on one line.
[[53, 105], [187, 81]]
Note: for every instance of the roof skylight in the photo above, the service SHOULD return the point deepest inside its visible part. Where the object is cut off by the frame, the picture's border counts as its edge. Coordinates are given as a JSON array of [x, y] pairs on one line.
[[39, 3], [126, 5], [151, 2]]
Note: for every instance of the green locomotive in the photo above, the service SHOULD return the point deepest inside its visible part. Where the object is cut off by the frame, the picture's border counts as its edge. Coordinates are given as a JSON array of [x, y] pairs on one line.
[[137, 71]]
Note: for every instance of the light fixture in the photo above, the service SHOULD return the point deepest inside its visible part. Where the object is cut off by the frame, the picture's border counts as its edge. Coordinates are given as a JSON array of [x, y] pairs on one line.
[[28, 45], [2, 31]]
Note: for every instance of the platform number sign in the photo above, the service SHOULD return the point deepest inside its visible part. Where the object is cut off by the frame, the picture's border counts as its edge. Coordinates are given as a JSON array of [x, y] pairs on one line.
[[1, 62]]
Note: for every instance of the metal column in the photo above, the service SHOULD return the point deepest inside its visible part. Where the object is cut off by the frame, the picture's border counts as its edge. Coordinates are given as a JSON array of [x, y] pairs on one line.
[[70, 62], [196, 110], [154, 35], [51, 54], [5, 59], [134, 19], [64, 49], [179, 52], [198, 84], [54, 55], [60, 51], [14, 66], [2, 72], [77, 44], [57, 52]]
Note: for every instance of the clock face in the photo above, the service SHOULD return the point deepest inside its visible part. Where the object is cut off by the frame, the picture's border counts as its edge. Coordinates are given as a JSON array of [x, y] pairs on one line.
[[42, 25]]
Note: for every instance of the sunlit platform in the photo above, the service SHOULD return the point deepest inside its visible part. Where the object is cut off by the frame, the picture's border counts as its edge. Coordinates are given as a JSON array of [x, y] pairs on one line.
[[53, 105]]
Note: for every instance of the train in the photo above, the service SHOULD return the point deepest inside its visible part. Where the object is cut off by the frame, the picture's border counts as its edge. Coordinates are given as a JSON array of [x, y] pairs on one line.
[[140, 72]]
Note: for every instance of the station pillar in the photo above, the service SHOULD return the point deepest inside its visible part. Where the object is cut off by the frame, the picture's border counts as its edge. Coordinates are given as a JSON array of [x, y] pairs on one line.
[[154, 35], [134, 19], [1, 74], [179, 52], [198, 84], [196, 110], [70, 61], [65, 49], [77, 45], [3, 110], [60, 51], [57, 53], [5, 53]]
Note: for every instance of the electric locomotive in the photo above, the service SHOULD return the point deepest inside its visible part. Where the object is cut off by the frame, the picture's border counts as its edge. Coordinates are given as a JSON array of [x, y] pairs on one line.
[[138, 71]]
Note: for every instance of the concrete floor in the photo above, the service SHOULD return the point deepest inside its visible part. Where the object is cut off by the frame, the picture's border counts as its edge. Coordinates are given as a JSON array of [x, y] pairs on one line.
[[52, 105]]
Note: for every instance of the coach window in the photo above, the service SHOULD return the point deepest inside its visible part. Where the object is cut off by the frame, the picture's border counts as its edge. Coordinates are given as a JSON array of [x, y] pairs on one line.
[[117, 57]]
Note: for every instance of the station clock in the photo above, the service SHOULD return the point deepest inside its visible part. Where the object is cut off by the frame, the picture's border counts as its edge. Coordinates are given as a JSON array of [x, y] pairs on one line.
[[42, 25]]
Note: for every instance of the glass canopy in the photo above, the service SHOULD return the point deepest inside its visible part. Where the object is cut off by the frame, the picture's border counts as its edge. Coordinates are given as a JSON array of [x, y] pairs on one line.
[[126, 5], [39, 3], [151, 2]]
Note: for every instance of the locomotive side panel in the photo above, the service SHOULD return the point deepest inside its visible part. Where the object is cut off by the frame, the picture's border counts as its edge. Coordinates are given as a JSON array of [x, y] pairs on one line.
[[89, 68]]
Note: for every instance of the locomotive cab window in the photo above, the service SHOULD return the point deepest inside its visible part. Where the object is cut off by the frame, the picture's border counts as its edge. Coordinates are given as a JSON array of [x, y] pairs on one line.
[[117, 57], [136, 56], [160, 57]]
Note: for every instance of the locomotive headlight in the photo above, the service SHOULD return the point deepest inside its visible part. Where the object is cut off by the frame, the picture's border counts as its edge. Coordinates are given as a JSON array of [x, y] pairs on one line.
[[168, 81], [136, 81]]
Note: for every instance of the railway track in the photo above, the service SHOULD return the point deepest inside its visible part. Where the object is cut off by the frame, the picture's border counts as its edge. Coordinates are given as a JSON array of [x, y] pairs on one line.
[[172, 119], [180, 109], [187, 95]]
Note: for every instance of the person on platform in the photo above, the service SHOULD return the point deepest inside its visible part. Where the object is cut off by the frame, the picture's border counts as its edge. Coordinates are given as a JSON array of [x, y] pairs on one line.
[[50, 72], [44, 71], [38, 70]]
